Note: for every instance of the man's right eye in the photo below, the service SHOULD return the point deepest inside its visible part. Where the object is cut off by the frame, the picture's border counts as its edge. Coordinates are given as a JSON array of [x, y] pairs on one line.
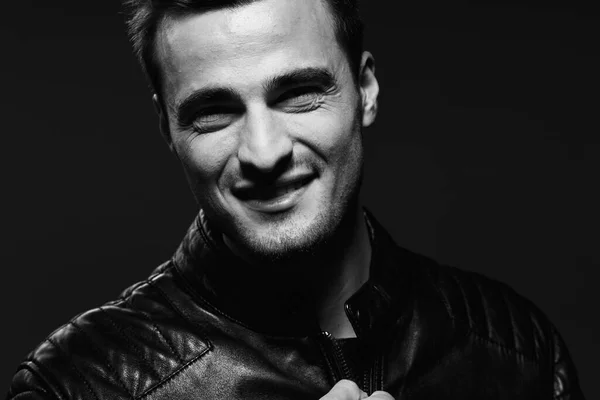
[[213, 119]]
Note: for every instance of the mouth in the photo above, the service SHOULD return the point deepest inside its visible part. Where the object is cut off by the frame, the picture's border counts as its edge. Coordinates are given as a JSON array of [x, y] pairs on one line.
[[277, 197]]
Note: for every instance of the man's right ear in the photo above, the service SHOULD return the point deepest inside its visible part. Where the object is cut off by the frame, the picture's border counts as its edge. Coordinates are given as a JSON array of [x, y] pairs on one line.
[[163, 121]]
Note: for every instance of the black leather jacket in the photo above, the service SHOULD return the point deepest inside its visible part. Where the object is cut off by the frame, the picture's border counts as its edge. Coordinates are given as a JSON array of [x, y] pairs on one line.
[[425, 331]]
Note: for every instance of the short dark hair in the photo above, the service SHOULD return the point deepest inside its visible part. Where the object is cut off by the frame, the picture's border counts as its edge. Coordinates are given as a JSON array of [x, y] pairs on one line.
[[144, 16]]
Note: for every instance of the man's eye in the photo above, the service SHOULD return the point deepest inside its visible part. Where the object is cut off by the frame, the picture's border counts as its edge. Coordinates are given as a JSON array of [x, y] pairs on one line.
[[301, 99], [213, 120]]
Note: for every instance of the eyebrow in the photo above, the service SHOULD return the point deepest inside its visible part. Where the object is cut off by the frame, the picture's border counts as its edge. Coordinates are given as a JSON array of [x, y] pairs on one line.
[[184, 110], [320, 76]]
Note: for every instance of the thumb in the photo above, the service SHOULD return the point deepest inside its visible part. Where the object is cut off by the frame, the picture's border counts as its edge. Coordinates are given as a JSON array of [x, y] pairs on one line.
[[344, 390], [380, 395]]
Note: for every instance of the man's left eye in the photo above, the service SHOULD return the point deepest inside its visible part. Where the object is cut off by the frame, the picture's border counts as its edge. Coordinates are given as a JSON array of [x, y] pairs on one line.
[[301, 99]]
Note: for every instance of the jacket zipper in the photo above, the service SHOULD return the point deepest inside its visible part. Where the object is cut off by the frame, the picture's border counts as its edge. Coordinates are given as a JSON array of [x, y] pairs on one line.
[[338, 367], [372, 376], [335, 357]]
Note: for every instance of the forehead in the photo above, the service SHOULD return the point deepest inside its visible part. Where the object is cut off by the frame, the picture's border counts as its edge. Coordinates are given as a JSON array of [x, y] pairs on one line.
[[242, 45]]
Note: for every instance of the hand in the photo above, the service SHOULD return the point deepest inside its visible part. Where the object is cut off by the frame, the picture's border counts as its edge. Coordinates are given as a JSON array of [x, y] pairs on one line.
[[348, 390]]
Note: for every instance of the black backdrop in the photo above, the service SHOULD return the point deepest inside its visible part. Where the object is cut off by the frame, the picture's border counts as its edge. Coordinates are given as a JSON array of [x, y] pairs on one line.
[[485, 155]]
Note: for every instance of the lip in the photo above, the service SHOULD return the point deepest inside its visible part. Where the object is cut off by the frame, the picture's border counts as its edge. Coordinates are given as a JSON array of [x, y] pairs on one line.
[[275, 198]]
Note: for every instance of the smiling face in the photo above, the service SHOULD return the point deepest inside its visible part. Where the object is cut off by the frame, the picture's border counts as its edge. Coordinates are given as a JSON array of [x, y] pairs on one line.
[[264, 113]]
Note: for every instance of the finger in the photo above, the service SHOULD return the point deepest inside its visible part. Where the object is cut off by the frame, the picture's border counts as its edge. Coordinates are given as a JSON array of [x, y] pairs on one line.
[[380, 395], [343, 390]]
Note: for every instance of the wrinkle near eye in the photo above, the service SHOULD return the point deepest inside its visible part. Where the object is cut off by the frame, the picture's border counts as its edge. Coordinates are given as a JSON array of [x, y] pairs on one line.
[[318, 102], [310, 102]]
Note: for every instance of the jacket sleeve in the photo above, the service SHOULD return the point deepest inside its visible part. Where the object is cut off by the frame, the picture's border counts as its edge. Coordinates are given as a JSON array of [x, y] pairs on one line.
[[27, 385], [566, 382]]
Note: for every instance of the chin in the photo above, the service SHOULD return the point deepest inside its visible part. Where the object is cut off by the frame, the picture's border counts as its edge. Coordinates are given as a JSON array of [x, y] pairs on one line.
[[285, 240], [298, 238]]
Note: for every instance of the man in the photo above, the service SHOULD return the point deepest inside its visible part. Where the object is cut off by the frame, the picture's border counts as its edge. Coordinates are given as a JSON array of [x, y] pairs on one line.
[[284, 287]]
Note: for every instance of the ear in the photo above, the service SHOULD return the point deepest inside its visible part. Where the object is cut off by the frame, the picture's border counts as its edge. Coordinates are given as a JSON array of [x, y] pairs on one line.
[[369, 88], [163, 120]]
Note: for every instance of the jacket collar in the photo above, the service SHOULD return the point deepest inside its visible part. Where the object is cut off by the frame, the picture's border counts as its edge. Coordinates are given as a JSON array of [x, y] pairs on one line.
[[223, 282], [231, 287]]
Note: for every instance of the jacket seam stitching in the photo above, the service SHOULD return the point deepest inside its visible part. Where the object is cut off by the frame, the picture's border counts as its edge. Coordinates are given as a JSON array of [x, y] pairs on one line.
[[183, 365], [485, 304], [205, 237], [128, 292], [26, 392], [503, 347], [381, 361], [36, 374], [181, 314], [148, 282], [74, 368], [478, 332], [443, 297], [164, 338], [106, 362], [553, 363], [171, 376], [464, 299], [50, 390], [512, 319], [127, 339]]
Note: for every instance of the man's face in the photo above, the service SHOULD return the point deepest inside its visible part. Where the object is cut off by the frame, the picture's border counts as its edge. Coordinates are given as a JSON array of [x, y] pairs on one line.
[[266, 118]]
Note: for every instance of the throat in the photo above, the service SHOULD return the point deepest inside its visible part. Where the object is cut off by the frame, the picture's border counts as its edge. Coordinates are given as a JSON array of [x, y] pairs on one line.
[[338, 325], [345, 276]]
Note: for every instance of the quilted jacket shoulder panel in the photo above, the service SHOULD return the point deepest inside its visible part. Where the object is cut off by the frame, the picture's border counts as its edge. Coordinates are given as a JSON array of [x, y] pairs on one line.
[[136, 342], [495, 312]]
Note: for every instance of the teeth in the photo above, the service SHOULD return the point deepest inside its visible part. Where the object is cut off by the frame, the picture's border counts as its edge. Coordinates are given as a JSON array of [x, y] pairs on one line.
[[270, 193], [285, 190]]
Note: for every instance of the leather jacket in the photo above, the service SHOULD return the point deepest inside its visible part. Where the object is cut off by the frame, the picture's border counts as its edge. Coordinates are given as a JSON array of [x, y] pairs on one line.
[[425, 331]]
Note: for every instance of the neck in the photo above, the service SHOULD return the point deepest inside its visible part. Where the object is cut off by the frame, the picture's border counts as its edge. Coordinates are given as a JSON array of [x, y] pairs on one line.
[[346, 271]]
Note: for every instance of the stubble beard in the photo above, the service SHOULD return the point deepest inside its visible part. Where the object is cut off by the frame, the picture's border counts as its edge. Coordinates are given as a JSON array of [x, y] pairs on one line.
[[292, 247], [300, 248]]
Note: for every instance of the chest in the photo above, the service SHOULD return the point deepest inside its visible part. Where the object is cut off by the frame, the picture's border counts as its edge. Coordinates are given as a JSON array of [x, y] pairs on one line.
[[470, 369]]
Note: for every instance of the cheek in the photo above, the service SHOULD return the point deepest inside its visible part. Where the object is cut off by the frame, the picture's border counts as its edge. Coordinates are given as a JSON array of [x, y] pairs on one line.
[[341, 142], [329, 133], [204, 156]]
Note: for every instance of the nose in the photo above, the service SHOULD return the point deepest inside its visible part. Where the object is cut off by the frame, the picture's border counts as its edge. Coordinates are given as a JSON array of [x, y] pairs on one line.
[[265, 144]]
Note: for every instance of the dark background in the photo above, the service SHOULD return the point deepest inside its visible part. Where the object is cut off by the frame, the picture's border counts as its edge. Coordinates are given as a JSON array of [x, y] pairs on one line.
[[485, 155]]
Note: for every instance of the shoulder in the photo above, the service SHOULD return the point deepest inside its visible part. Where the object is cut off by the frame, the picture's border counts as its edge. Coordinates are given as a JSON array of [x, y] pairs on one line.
[[493, 311], [124, 348]]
